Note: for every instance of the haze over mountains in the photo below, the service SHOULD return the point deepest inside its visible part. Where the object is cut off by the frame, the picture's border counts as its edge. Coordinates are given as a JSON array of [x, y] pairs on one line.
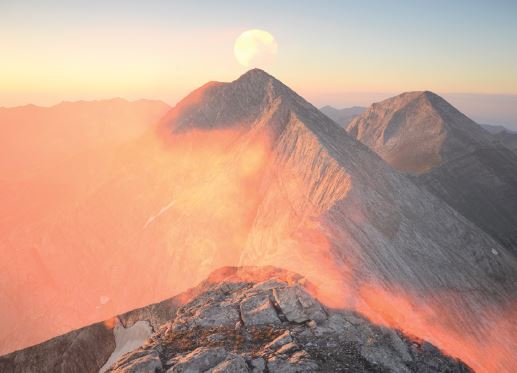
[[249, 173], [505, 136], [54, 161], [50, 135], [421, 134], [342, 116]]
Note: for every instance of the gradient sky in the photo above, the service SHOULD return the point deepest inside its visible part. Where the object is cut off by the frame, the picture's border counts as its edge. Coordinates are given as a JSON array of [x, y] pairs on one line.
[[332, 52]]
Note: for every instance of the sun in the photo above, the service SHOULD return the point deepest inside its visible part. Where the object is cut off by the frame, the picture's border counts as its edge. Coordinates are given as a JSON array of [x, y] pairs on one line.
[[255, 48]]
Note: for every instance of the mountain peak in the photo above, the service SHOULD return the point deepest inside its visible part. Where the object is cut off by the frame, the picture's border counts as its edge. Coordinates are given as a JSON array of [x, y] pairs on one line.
[[235, 104], [436, 130], [256, 74]]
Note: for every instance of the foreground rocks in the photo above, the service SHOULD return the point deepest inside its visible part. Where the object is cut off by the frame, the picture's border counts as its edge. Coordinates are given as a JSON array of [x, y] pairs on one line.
[[238, 324]]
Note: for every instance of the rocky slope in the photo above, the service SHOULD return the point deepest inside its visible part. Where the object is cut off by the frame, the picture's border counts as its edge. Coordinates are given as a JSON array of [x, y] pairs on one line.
[[264, 320], [247, 319], [342, 116], [447, 153], [358, 230]]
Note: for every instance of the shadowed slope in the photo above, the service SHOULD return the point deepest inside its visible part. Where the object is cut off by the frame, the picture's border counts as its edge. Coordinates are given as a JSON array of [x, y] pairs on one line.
[[450, 155]]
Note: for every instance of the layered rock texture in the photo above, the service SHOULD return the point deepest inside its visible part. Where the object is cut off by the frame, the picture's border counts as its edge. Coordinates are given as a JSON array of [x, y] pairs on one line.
[[419, 133], [265, 320]]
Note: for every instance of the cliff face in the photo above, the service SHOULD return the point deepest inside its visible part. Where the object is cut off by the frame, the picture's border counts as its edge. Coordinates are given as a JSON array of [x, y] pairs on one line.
[[419, 133]]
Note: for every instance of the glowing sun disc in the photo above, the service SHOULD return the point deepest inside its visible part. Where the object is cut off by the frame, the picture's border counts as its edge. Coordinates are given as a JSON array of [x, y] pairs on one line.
[[255, 48]]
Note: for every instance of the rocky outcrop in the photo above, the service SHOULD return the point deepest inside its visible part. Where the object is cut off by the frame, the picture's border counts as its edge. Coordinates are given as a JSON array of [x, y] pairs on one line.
[[275, 325]]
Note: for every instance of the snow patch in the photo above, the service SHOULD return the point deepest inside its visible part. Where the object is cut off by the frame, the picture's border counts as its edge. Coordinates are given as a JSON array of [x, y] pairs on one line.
[[127, 340]]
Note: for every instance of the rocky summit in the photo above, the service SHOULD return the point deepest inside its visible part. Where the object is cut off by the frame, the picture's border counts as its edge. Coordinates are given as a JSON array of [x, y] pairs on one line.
[[274, 324]]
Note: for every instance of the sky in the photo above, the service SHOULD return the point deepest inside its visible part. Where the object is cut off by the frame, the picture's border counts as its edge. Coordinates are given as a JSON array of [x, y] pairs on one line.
[[340, 53]]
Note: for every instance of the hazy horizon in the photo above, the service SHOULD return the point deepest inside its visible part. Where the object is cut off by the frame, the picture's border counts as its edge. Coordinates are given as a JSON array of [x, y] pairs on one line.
[[154, 50], [490, 109]]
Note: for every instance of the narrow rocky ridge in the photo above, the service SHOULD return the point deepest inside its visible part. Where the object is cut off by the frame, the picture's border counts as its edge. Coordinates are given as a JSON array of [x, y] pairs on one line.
[[275, 325]]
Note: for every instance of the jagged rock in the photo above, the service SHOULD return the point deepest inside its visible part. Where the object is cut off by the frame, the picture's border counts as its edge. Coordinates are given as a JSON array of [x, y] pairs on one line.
[[279, 341], [297, 305], [234, 364], [280, 365], [339, 341], [139, 361], [258, 310], [85, 349], [199, 360], [258, 365]]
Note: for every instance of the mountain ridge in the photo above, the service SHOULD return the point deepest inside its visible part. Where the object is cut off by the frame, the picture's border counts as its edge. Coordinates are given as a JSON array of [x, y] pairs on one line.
[[448, 154], [318, 202]]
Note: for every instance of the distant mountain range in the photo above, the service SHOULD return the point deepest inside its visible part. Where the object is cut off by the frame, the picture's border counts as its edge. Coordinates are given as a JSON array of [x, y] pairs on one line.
[[495, 129], [507, 137], [342, 116]]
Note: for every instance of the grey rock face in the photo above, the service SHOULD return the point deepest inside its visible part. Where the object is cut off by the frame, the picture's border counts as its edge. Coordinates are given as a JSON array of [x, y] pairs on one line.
[[258, 310], [141, 361], [297, 305], [449, 155], [289, 342], [85, 349]]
